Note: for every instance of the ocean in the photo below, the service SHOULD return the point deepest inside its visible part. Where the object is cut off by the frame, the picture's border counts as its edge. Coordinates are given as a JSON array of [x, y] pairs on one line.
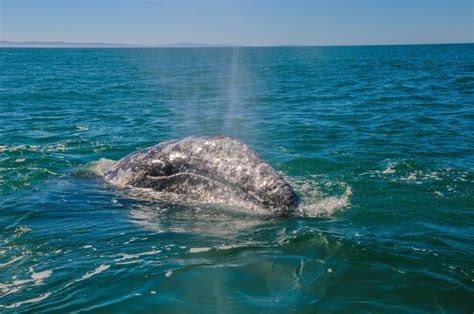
[[378, 142]]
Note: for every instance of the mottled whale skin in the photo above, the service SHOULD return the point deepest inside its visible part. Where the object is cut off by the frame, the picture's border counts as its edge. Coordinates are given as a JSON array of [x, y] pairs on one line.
[[218, 170]]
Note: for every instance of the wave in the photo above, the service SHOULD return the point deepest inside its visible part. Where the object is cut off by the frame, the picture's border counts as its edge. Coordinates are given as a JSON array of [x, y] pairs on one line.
[[317, 195]]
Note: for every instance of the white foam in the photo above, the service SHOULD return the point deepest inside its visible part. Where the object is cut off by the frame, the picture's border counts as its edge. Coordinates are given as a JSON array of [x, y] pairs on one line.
[[17, 285], [102, 165], [325, 206], [227, 247], [82, 127], [33, 300], [199, 249], [126, 256], [21, 230], [12, 261], [8, 289], [39, 277], [35, 148], [389, 171], [132, 239], [21, 282], [398, 270], [98, 270], [315, 201], [128, 262]]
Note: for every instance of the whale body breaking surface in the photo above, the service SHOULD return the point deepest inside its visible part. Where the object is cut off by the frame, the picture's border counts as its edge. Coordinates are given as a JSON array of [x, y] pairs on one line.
[[219, 170]]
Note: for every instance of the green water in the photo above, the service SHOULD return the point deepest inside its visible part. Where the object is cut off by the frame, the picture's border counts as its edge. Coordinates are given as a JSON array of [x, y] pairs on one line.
[[378, 142]]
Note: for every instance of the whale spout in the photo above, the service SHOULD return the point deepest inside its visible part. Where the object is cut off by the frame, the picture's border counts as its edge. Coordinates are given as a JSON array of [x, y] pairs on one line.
[[219, 170]]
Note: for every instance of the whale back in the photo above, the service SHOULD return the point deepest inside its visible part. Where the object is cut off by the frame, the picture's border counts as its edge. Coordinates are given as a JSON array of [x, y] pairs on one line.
[[214, 169]]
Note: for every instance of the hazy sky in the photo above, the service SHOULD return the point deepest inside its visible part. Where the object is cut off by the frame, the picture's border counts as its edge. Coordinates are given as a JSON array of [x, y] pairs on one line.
[[245, 22]]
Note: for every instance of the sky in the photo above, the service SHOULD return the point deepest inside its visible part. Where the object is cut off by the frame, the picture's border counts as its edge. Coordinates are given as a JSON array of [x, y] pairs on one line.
[[239, 22]]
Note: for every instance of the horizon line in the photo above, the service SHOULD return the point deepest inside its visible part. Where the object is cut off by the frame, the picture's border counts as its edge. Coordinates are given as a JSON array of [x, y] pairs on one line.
[[65, 44]]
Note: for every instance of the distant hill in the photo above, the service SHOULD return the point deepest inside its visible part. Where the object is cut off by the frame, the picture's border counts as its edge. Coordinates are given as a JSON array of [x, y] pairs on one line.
[[62, 44]]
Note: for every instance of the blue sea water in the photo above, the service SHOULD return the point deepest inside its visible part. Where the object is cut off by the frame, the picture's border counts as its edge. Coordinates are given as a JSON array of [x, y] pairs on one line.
[[378, 142]]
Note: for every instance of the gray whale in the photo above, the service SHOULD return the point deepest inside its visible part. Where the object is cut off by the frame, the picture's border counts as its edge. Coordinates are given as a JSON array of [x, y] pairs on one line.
[[218, 170]]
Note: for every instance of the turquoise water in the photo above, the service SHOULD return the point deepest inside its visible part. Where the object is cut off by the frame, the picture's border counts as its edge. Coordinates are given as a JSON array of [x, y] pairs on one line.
[[378, 142]]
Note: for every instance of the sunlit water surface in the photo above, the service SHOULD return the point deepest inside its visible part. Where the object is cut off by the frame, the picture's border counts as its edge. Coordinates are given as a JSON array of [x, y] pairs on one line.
[[378, 142]]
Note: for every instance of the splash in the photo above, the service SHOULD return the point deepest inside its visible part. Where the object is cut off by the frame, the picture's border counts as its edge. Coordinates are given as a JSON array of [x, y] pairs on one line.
[[101, 166], [316, 199], [326, 206]]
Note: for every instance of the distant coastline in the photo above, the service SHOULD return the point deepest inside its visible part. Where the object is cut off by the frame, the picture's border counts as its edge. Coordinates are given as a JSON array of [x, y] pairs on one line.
[[62, 44]]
